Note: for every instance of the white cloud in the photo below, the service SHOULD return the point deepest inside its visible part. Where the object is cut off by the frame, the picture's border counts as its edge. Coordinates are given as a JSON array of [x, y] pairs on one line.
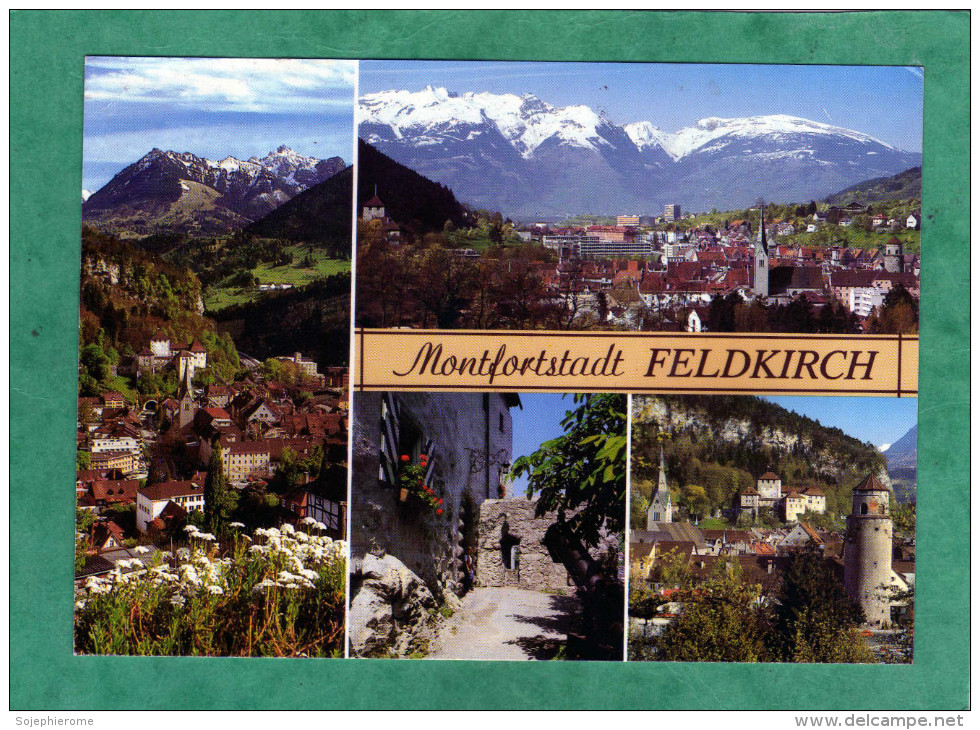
[[222, 84]]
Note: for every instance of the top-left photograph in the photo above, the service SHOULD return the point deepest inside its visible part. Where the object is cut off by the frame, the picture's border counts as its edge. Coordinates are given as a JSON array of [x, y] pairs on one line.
[[215, 279]]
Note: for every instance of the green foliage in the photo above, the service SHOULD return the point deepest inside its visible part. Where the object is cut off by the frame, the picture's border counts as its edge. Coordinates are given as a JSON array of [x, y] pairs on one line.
[[282, 598], [411, 478], [814, 620], [83, 460], [84, 519], [584, 468], [903, 519], [898, 314], [219, 500], [120, 317], [725, 618], [698, 454]]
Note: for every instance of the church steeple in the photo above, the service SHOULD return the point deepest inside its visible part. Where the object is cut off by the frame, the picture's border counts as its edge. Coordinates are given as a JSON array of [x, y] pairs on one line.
[[661, 508], [762, 227], [662, 481], [760, 281]]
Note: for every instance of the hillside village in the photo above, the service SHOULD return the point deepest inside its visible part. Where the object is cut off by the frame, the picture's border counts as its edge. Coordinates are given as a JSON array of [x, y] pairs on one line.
[[161, 412], [826, 268], [678, 542]]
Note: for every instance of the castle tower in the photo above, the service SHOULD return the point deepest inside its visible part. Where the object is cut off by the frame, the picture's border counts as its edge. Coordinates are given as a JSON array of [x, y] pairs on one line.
[[760, 280], [868, 551], [661, 508], [894, 256]]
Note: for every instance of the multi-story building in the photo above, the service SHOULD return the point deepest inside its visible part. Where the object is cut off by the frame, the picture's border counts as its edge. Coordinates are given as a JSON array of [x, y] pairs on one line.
[[152, 499]]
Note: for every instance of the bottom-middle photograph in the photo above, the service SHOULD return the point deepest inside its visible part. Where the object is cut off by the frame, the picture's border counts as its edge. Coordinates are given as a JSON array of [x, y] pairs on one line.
[[488, 526]]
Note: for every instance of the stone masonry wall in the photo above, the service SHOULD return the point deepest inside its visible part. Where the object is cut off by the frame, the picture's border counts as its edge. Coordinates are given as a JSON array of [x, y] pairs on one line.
[[428, 544], [504, 524]]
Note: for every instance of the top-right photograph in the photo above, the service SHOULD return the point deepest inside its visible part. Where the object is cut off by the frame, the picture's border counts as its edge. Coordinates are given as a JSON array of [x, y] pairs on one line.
[[643, 197]]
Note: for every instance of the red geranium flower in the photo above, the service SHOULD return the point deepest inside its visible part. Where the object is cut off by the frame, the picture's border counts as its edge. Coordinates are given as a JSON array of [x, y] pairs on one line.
[[404, 457], [438, 511], [440, 500]]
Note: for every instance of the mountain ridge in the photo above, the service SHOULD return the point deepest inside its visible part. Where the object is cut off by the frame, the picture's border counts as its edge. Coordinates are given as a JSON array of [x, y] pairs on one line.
[[180, 191], [519, 142]]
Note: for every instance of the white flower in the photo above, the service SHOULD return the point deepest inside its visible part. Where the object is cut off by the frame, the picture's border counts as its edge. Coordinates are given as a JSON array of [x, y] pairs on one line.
[[177, 600], [141, 549], [237, 525], [206, 536], [80, 606], [307, 521], [321, 526], [288, 529], [309, 574], [183, 553], [190, 528], [216, 590]]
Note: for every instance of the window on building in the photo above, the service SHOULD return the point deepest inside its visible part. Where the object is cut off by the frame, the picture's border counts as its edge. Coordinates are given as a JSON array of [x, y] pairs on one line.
[[410, 440]]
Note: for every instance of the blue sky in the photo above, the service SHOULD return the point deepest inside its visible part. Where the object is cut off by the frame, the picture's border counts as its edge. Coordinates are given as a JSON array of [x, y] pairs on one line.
[[883, 101], [538, 420], [213, 107], [875, 420]]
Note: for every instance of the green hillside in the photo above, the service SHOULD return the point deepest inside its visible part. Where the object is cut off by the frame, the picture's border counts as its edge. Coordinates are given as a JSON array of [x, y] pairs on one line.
[[127, 294], [903, 186], [704, 454]]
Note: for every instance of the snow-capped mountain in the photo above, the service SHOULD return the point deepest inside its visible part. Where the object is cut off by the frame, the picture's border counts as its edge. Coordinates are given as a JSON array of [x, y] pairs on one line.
[[523, 155], [182, 190]]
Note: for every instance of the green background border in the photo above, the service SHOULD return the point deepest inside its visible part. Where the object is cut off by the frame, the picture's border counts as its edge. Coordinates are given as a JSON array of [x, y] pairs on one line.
[[46, 60]]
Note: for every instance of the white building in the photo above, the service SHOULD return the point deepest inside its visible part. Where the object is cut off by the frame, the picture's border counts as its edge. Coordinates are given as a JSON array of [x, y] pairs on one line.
[[152, 499]]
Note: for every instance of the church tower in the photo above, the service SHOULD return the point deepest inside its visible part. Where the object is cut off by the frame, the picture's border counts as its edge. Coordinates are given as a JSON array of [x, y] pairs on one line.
[[661, 508], [760, 276], [868, 551], [186, 395]]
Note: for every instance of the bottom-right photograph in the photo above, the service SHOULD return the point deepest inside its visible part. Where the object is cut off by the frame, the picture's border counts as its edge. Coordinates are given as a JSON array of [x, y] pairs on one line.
[[772, 529]]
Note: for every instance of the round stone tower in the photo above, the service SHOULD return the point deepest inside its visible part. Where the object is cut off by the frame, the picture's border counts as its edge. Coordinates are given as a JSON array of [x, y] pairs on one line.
[[868, 551]]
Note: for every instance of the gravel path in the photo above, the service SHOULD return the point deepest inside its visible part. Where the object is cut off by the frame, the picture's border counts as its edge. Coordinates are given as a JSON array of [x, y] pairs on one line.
[[507, 624]]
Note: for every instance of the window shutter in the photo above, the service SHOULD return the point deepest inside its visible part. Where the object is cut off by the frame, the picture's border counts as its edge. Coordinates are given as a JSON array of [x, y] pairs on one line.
[[389, 438], [430, 454]]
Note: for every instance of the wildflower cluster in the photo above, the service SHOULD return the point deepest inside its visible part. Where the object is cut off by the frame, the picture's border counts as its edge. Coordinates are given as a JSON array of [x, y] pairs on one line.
[[411, 477], [278, 593]]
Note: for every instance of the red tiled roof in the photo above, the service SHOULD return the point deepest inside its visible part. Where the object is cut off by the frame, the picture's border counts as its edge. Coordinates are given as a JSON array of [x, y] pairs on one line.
[[870, 484], [169, 490], [114, 490]]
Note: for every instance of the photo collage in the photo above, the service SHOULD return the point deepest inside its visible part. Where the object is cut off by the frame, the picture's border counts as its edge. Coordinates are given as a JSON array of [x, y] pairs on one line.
[[499, 361]]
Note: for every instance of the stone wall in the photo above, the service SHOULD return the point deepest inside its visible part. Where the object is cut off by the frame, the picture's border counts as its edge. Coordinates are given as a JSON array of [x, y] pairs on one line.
[[472, 434], [511, 552]]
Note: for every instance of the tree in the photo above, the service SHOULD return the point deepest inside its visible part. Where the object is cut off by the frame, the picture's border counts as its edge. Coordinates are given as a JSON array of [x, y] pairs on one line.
[[219, 501], [720, 621], [581, 476], [84, 520], [814, 620]]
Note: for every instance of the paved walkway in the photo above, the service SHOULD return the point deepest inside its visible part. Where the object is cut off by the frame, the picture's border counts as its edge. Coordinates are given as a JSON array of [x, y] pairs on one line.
[[507, 624]]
